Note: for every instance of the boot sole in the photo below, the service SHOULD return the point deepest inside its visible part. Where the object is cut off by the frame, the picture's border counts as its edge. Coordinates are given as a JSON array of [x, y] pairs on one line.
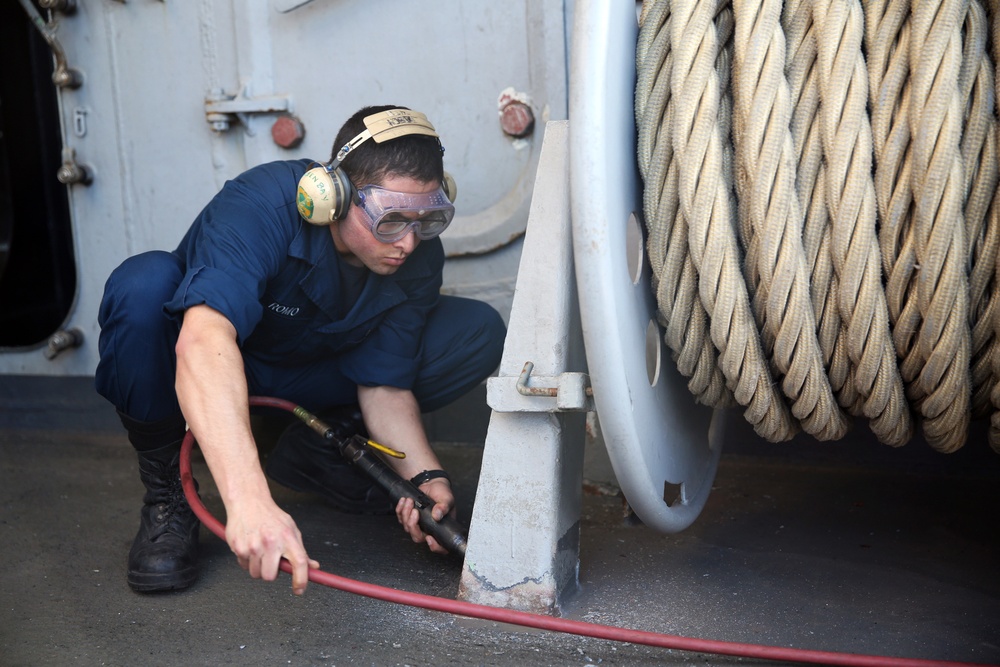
[[141, 582]]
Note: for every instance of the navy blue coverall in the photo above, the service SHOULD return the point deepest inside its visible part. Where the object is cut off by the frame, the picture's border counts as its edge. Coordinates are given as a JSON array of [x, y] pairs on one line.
[[310, 328]]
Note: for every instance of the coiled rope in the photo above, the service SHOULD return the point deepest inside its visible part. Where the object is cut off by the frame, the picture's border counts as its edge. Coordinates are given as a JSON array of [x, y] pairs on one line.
[[820, 194]]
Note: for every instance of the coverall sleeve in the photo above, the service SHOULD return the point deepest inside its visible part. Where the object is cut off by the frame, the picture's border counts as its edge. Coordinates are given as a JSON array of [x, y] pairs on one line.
[[238, 241]]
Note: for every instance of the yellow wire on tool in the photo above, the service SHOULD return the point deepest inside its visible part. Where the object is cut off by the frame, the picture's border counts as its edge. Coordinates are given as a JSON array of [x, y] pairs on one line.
[[386, 450], [316, 424]]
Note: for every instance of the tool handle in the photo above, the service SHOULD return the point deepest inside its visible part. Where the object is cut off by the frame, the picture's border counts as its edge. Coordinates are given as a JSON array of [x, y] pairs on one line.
[[448, 532]]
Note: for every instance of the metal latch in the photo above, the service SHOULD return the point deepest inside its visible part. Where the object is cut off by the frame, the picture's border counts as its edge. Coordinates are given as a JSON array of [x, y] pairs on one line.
[[571, 392], [221, 109]]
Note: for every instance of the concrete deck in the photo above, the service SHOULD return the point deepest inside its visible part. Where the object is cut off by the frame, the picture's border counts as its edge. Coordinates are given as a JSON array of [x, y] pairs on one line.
[[848, 546]]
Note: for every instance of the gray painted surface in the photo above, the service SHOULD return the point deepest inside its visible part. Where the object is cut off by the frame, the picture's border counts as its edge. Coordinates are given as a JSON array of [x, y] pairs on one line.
[[143, 122], [848, 546]]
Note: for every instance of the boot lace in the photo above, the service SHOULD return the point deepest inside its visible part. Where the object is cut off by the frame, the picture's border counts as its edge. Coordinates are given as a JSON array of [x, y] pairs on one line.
[[173, 514]]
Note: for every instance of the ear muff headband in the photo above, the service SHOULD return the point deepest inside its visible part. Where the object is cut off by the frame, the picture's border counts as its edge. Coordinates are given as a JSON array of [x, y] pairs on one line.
[[324, 192]]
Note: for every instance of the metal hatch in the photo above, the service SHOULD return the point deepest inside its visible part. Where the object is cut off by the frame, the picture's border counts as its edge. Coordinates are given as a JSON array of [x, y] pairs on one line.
[[37, 277]]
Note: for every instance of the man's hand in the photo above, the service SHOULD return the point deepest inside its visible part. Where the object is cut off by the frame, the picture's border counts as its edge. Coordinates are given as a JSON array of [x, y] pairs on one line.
[[409, 517], [261, 535], [392, 416]]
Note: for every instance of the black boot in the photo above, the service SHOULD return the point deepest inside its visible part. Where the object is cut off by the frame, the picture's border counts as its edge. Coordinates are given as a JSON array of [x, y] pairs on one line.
[[164, 554], [304, 461]]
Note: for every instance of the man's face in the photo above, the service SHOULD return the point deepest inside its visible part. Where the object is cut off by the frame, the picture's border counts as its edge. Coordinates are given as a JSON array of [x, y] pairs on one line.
[[358, 246]]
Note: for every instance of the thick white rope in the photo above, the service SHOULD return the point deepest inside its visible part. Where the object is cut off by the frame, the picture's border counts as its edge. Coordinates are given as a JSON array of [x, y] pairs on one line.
[[994, 432], [942, 389], [979, 155], [860, 266], [765, 168], [887, 41], [699, 33], [850, 195], [675, 282], [810, 185]]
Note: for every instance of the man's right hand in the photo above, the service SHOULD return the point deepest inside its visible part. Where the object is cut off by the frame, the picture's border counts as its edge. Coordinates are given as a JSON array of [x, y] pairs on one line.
[[261, 534]]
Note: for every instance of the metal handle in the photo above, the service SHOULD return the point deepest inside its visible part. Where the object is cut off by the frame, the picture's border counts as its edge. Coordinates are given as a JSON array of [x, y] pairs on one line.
[[64, 76], [72, 172], [64, 6], [63, 340]]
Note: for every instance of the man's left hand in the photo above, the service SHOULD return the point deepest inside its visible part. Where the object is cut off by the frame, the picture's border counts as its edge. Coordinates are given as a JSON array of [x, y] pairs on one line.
[[444, 503]]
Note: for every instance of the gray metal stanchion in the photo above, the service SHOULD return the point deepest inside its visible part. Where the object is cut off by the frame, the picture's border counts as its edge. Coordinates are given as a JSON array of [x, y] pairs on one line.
[[524, 540]]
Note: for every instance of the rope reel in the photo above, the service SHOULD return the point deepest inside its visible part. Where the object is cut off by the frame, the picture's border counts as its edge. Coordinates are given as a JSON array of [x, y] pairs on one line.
[[820, 195]]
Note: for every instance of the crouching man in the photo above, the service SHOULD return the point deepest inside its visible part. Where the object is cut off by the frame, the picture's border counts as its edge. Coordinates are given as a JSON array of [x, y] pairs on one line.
[[318, 285]]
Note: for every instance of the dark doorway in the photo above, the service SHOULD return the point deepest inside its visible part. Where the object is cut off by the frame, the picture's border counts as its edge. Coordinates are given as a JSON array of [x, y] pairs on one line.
[[37, 267]]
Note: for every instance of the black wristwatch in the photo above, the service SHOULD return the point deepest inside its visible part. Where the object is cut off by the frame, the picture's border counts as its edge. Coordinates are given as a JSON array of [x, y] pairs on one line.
[[427, 475]]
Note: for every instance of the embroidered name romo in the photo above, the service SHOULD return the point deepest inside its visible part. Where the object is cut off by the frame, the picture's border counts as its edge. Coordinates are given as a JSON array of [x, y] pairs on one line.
[[290, 311]]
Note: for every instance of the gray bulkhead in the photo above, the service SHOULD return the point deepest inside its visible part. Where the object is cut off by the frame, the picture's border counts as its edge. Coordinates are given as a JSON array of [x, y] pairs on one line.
[[177, 97]]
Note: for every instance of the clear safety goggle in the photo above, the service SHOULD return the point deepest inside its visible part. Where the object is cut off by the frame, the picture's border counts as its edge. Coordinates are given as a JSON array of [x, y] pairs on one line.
[[392, 215]]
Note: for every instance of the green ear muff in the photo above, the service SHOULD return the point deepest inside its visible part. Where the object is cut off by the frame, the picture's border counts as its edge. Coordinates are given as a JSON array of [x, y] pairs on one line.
[[324, 195]]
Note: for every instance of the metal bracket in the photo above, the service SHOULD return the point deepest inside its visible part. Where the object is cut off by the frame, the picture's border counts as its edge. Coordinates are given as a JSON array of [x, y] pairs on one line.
[[220, 108], [566, 392]]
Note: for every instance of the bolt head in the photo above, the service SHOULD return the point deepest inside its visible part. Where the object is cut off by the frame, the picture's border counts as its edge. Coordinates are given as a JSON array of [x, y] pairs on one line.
[[288, 131], [516, 119]]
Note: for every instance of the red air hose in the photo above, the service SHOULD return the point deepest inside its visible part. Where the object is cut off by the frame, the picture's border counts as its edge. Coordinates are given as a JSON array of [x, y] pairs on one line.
[[539, 621]]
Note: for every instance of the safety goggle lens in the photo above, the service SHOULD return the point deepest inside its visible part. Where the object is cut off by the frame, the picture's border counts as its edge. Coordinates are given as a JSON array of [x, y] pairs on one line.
[[391, 226], [392, 215]]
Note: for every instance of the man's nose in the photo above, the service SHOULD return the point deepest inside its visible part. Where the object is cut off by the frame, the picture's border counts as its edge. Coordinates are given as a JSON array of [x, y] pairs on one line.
[[408, 242]]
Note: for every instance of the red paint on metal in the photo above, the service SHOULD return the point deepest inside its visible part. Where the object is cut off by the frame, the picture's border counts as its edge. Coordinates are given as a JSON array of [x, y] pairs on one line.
[[517, 119], [288, 131]]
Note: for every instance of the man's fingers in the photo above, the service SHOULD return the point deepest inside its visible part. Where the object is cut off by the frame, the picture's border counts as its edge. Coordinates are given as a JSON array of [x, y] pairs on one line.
[[413, 527], [403, 509], [300, 577], [409, 518], [433, 545], [299, 585], [439, 511], [269, 563], [300, 563]]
